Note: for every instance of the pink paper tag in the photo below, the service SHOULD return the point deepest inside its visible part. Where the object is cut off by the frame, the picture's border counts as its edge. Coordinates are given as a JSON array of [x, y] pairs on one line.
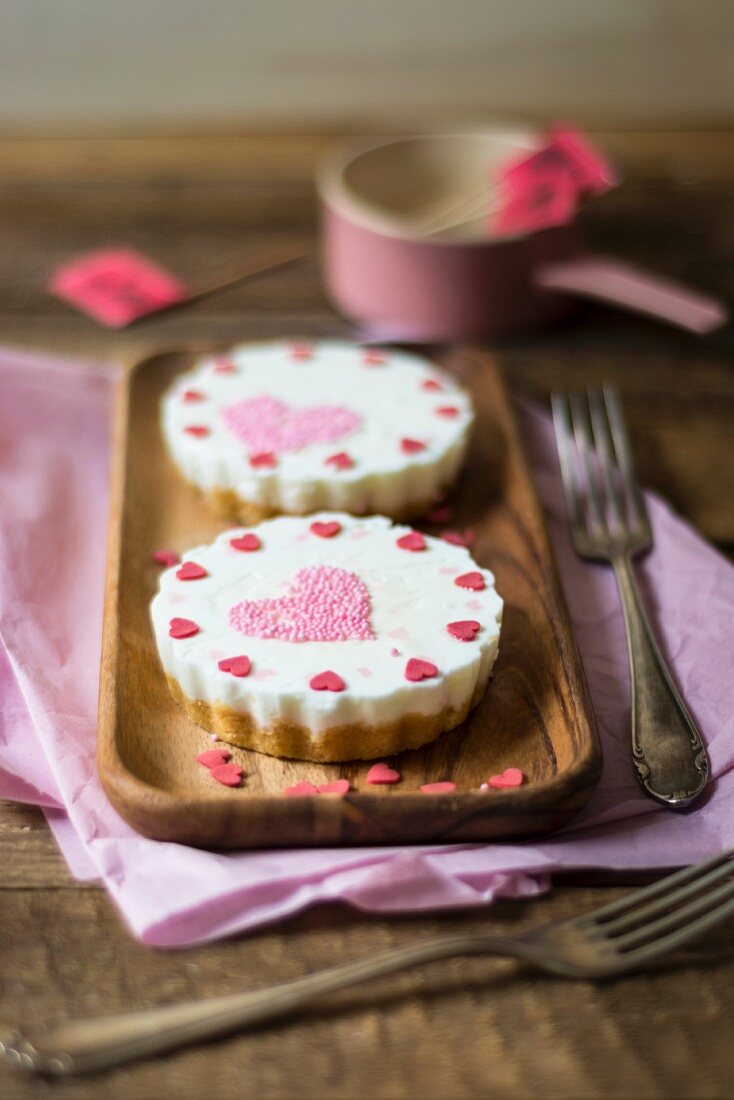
[[116, 286], [544, 189]]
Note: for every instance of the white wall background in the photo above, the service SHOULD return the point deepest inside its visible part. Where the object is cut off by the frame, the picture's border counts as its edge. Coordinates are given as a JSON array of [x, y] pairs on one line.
[[121, 64]]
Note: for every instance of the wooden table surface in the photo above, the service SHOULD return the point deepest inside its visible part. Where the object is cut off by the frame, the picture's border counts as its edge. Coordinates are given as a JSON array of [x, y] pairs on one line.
[[206, 208]]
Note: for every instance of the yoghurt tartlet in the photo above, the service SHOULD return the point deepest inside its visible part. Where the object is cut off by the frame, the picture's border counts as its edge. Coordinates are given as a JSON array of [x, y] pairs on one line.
[[328, 637], [294, 428]]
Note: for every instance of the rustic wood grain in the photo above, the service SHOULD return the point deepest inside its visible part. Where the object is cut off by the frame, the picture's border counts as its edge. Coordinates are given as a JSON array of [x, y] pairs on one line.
[[470, 1028], [535, 714]]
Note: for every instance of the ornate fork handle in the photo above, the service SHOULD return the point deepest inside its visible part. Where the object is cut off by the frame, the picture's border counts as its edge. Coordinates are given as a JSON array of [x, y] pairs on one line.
[[667, 750]]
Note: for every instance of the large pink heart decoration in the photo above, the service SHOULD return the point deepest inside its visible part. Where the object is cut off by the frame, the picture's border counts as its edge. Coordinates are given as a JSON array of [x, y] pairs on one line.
[[325, 604], [266, 424]]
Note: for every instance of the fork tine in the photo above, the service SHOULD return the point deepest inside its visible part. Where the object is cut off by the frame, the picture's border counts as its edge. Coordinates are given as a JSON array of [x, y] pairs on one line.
[[655, 889], [682, 935], [585, 448], [605, 453], [623, 451], [664, 903], [673, 921], [567, 458]]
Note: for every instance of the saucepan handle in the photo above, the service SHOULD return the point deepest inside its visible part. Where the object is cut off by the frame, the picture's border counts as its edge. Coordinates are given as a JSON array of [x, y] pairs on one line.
[[616, 283]]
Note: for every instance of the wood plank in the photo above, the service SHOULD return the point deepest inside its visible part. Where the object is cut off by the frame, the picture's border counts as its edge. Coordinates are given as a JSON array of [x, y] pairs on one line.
[[462, 1028]]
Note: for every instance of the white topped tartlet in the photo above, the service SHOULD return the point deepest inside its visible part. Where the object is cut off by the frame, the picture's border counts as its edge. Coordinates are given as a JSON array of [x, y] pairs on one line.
[[327, 637], [285, 427]]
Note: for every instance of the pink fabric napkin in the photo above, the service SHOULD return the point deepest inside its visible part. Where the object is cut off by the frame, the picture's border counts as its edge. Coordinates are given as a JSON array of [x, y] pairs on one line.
[[54, 445]]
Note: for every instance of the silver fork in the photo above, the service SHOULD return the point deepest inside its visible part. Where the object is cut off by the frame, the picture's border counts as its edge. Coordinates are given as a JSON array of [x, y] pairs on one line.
[[620, 937], [609, 522]]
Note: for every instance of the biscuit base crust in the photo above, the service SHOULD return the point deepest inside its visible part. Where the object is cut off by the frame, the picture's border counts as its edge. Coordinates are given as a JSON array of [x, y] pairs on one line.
[[247, 513], [356, 741]]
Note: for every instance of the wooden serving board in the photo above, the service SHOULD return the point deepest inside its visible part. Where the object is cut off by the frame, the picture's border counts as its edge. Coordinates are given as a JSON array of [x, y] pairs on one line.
[[535, 714]]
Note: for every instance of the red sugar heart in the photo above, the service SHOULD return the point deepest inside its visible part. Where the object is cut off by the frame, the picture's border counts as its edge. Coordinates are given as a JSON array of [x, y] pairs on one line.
[[412, 541], [510, 777], [474, 581], [327, 681], [236, 666], [411, 446], [166, 557], [300, 789], [245, 542], [418, 669], [263, 458], [212, 758], [438, 788], [224, 366], [465, 630], [449, 411], [230, 775], [192, 395], [336, 786], [444, 513], [340, 461], [301, 351], [325, 530], [457, 538], [381, 773], [374, 358], [197, 430], [191, 571], [182, 628], [432, 385]]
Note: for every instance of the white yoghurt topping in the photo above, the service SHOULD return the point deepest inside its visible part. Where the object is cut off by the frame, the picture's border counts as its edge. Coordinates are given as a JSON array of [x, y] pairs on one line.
[[301, 427], [328, 620]]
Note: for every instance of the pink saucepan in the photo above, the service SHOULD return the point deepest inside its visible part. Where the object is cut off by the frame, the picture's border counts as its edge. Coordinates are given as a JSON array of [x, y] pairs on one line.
[[407, 254]]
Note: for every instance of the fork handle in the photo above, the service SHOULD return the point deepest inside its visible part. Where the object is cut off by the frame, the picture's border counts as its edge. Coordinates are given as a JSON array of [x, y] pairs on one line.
[[84, 1046], [667, 750]]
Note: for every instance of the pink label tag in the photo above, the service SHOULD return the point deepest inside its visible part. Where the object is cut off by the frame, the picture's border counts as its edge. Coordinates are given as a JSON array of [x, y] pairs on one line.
[[117, 286], [544, 189]]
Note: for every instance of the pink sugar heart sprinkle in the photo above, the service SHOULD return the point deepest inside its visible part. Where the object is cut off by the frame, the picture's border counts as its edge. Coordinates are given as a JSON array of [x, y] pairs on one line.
[[444, 513], [229, 775], [236, 666], [327, 681], [380, 774], [301, 351], [212, 758], [325, 530], [474, 581], [192, 395], [247, 542], [374, 358], [224, 366], [336, 786], [510, 777], [323, 604], [198, 431], [438, 788], [213, 737], [182, 628], [166, 557], [394, 652], [266, 424], [340, 461], [299, 789], [417, 669], [465, 630], [431, 385], [447, 411], [484, 786], [458, 538], [263, 459], [412, 446], [191, 571], [412, 541]]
